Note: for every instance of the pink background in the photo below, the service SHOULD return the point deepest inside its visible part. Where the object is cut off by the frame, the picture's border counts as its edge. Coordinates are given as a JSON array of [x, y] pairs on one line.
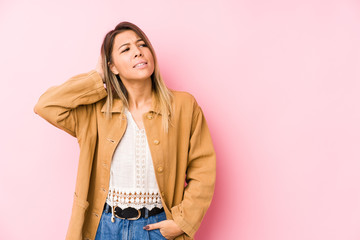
[[279, 83]]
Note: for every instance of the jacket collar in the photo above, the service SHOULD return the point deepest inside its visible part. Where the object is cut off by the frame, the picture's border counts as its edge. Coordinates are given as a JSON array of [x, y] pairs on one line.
[[118, 105]]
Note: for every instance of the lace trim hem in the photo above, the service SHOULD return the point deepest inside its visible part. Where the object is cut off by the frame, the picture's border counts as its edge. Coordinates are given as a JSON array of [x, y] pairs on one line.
[[134, 199], [136, 206]]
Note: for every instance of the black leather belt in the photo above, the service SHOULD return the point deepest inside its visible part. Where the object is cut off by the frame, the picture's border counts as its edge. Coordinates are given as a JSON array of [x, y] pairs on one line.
[[132, 213]]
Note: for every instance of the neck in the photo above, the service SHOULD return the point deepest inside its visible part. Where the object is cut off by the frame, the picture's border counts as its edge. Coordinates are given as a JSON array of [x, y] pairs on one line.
[[139, 93]]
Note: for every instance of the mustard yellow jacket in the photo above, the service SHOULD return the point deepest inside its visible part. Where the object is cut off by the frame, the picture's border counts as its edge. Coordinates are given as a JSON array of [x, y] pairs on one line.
[[184, 154]]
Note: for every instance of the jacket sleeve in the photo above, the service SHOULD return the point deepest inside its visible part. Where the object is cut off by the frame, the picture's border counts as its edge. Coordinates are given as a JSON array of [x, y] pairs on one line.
[[58, 105], [200, 177]]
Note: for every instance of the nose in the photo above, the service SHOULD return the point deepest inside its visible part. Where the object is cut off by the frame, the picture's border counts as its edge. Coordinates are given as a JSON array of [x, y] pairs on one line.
[[137, 52]]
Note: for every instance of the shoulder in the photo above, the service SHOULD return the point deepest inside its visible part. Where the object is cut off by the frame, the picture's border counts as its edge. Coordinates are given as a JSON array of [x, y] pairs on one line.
[[184, 103], [181, 97]]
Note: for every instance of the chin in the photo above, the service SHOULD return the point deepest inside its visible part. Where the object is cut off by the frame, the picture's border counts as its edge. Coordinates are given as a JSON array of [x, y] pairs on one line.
[[140, 78]]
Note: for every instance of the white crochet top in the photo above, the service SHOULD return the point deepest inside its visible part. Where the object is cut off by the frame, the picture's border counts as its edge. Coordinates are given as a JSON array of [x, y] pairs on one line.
[[132, 176]]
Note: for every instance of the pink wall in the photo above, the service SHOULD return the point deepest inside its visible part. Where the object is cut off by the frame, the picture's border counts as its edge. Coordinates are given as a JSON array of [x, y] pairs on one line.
[[279, 83]]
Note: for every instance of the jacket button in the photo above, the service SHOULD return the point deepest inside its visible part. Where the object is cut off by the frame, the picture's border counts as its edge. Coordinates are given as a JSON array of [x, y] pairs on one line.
[[103, 189], [149, 116], [156, 142], [160, 169], [162, 194]]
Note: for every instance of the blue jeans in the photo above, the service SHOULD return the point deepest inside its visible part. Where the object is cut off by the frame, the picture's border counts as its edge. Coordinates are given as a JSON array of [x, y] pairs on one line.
[[123, 229]]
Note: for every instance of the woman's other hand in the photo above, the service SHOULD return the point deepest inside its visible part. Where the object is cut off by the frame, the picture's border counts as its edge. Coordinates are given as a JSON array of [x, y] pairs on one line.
[[99, 68], [168, 228]]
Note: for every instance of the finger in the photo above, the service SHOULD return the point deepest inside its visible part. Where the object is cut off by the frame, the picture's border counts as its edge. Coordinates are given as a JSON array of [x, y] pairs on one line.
[[153, 226]]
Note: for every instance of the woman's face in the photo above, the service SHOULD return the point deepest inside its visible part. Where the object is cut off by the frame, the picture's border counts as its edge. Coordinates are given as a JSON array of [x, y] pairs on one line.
[[131, 58]]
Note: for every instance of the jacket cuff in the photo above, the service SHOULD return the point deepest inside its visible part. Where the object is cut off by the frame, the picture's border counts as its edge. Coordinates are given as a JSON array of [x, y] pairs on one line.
[[181, 222], [99, 83]]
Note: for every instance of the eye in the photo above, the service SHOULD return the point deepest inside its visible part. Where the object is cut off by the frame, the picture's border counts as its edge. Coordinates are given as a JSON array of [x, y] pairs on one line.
[[126, 49], [143, 45]]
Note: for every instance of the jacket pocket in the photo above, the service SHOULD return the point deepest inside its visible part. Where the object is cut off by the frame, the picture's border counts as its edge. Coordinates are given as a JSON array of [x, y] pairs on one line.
[[80, 202], [77, 218]]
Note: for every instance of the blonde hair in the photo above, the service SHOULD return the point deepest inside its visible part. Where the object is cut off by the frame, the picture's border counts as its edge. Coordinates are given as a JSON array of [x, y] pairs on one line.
[[116, 88]]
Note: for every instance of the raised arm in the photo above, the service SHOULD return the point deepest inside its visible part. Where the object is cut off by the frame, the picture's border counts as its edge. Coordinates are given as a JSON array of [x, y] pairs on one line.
[[58, 105]]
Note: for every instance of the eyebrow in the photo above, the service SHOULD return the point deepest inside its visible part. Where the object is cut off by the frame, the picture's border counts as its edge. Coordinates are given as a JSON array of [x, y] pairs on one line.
[[140, 39]]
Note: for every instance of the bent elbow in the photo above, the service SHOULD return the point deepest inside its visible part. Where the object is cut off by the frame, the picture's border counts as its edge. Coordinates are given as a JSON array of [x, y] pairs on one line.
[[38, 108], [35, 109]]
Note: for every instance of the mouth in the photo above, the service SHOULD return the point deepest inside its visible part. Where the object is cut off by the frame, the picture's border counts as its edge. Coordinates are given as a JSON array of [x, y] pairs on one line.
[[140, 64]]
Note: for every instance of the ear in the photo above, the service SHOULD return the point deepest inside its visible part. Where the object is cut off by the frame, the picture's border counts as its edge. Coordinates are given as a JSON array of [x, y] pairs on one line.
[[113, 68]]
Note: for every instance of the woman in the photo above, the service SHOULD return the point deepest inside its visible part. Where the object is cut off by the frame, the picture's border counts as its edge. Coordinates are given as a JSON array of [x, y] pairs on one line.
[[147, 164]]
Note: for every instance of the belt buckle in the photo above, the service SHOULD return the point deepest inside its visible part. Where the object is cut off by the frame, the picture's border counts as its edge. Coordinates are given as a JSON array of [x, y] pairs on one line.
[[134, 218]]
